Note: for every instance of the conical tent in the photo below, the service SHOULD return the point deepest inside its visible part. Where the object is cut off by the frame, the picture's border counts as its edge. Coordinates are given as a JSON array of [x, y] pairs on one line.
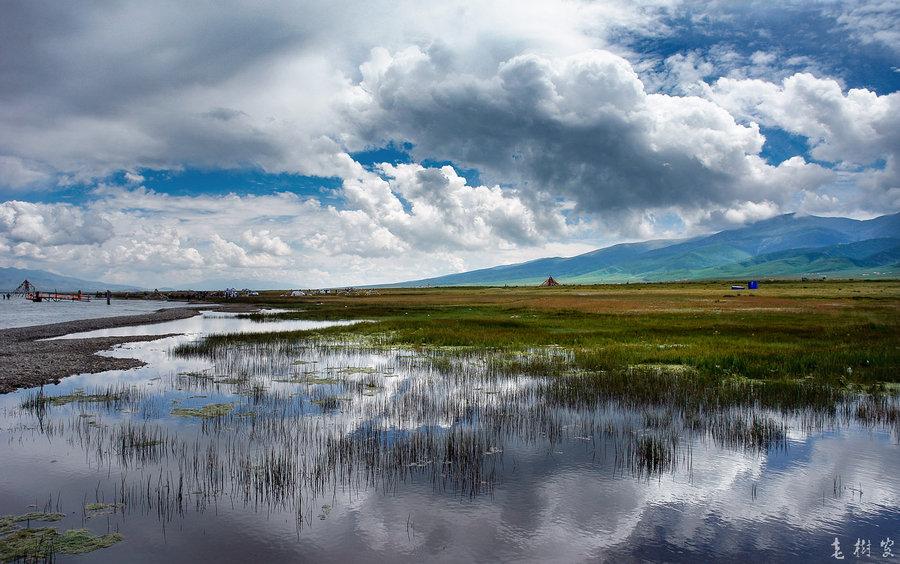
[[550, 282], [25, 287]]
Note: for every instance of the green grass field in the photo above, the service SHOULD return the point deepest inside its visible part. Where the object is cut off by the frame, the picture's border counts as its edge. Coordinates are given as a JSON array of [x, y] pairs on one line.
[[836, 332]]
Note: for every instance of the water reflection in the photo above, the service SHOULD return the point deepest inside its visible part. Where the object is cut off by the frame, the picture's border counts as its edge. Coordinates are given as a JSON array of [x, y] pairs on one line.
[[331, 451], [207, 323]]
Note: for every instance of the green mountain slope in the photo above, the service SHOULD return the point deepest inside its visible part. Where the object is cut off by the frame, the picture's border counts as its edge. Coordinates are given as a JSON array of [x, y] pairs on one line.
[[787, 246]]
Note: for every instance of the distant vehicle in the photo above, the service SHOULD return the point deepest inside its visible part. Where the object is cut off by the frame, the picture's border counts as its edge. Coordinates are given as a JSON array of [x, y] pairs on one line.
[[737, 287]]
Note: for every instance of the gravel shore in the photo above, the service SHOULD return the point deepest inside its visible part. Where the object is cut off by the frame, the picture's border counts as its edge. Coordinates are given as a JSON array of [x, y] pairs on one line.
[[26, 361]]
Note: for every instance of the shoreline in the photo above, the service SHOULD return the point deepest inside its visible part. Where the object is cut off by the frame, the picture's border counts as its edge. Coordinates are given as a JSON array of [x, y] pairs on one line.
[[27, 361]]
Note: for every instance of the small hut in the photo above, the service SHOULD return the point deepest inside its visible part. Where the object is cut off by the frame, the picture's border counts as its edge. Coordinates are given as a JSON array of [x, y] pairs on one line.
[[550, 282]]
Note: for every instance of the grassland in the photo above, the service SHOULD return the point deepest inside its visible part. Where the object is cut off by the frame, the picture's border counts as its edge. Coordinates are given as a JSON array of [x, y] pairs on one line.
[[838, 332]]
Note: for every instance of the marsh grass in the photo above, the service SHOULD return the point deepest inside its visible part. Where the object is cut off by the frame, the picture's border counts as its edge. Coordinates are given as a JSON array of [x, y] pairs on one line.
[[852, 340], [451, 394], [458, 429], [110, 397]]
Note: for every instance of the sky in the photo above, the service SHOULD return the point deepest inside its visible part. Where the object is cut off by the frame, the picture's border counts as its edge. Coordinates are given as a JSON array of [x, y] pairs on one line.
[[320, 144]]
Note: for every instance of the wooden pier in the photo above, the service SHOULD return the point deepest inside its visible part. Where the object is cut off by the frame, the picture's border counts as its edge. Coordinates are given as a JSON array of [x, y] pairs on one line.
[[29, 292], [57, 297]]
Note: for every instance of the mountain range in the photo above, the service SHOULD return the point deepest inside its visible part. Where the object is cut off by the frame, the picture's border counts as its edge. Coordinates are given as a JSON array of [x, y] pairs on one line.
[[46, 281], [785, 246]]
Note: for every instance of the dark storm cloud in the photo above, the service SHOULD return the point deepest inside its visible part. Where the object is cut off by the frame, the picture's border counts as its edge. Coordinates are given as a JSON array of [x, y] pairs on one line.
[[99, 58], [529, 93], [581, 127], [90, 88]]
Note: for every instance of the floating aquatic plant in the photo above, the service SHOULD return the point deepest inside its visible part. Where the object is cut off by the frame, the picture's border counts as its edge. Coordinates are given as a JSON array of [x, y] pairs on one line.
[[209, 411], [45, 542]]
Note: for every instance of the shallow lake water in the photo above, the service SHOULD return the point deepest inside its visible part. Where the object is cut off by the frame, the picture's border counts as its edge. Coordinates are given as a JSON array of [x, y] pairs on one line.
[[343, 452], [207, 323], [19, 312]]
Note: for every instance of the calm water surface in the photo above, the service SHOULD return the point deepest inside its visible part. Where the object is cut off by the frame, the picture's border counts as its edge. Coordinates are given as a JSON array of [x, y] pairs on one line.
[[332, 452], [19, 312]]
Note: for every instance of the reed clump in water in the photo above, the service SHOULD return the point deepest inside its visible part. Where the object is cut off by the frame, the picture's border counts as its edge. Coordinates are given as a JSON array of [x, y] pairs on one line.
[[110, 397]]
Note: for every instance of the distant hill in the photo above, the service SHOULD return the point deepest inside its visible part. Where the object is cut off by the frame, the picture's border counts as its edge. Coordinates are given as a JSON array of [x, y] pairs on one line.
[[787, 246], [10, 278]]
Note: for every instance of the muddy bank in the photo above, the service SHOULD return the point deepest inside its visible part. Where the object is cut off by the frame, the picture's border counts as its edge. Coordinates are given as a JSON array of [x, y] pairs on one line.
[[26, 361]]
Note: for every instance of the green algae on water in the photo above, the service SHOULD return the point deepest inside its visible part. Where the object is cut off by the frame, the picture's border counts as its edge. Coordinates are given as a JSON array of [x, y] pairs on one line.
[[199, 375], [98, 506], [327, 403], [210, 411], [323, 381], [43, 543], [8, 522], [357, 370], [230, 381], [80, 541], [97, 509]]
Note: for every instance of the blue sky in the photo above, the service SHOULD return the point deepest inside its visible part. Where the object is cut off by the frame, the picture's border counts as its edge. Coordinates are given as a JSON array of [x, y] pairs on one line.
[[325, 146], [788, 29]]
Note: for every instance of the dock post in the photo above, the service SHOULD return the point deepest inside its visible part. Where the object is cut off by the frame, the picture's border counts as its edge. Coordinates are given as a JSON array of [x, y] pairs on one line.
[[107, 297]]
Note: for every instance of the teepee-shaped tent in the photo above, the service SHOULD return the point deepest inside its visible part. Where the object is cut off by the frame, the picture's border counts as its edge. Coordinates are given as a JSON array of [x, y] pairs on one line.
[[25, 287], [550, 282]]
